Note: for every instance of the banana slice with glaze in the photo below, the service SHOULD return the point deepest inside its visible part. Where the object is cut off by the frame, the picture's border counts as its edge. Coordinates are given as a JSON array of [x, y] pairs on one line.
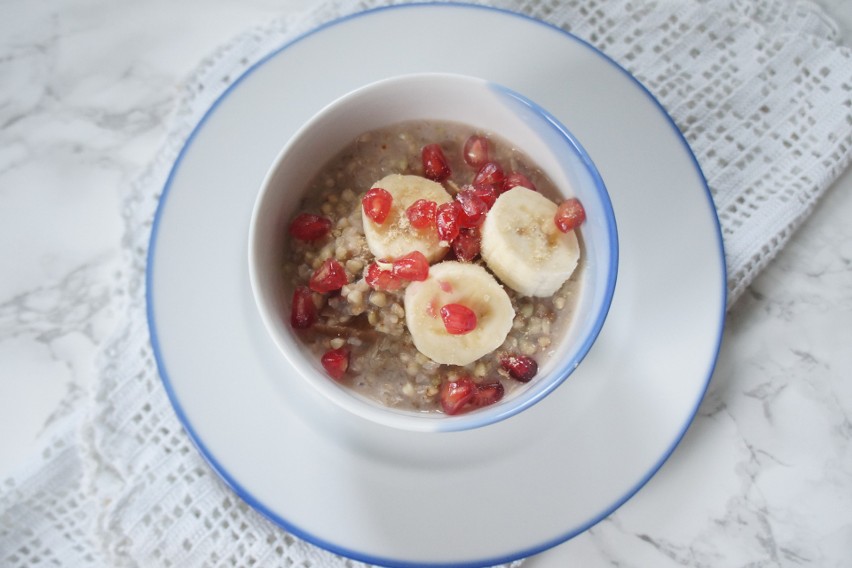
[[395, 236], [523, 247]]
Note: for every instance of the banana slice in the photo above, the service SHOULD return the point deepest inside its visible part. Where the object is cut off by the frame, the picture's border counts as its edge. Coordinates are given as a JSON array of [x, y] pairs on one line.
[[470, 285], [396, 237], [523, 247]]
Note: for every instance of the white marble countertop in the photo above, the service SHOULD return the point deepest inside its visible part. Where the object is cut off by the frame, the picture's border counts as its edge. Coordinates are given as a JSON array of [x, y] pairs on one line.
[[86, 90]]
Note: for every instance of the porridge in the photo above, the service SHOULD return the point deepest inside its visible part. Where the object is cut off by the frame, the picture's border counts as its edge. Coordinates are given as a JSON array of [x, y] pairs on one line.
[[431, 268]]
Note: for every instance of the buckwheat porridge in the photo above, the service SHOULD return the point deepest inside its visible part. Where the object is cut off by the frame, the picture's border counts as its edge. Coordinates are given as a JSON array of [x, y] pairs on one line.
[[431, 268]]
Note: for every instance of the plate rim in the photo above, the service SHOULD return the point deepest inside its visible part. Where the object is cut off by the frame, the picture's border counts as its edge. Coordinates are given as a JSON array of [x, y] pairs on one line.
[[244, 493]]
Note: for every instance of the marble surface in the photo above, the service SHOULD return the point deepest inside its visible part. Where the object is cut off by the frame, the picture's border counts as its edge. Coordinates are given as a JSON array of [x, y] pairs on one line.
[[764, 474]]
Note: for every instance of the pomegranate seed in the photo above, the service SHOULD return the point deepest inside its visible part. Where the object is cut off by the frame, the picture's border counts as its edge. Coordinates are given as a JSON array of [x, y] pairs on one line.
[[487, 394], [421, 213], [447, 221], [412, 266], [490, 174], [520, 367], [473, 208], [377, 204], [517, 179], [303, 312], [381, 279], [455, 395], [467, 244], [435, 165], [569, 215], [476, 150], [328, 277], [309, 227], [458, 319], [335, 362], [485, 192]]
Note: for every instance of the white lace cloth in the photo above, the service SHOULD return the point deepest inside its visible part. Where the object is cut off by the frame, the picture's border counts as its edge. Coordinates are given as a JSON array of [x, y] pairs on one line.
[[760, 88]]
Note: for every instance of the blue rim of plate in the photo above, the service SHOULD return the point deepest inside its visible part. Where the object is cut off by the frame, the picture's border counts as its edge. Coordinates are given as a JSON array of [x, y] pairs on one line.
[[246, 495]]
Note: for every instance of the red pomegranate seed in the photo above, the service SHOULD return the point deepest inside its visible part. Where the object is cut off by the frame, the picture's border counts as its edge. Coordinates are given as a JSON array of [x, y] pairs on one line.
[[485, 192], [490, 174], [487, 394], [473, 208], [476, 150], [309, 227], [520, 367], [421, 213], [412, 266], [454, 395], [435, 165], [335, 362], [569, 215], [467, 244], [447, 221], [377, 204], [328, 277], [303, 312], [458, 319], [381, 279], [517, 179]]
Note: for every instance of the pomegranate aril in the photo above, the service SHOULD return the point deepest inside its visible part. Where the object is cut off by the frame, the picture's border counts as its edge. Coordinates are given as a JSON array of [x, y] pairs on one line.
[[377, 204], [421, 213], [435, 164], [473, 208], [336, 362], [447, 221], [491, 175], [487, 394], [485, 192], [303, 312], [520, 367], [328, 277], [458, 319], [309, 227], [456, 394], [381, 279], [412, 267], [467, 245], [476, 150], [569, 215], [517, 179]]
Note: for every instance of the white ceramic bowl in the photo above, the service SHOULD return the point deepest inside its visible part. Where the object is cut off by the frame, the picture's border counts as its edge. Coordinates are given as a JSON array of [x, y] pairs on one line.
[[487, 107]]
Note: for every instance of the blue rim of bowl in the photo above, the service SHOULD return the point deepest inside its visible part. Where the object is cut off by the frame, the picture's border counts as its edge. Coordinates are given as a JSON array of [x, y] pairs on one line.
[[528, 399], [257, 505]]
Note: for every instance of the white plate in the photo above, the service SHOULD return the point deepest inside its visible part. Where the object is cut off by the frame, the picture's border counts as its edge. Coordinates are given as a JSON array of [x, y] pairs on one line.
[[470, 498]]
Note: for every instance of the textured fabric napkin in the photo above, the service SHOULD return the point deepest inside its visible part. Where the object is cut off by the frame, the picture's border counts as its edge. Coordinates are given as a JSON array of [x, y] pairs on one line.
[[761, 90]]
